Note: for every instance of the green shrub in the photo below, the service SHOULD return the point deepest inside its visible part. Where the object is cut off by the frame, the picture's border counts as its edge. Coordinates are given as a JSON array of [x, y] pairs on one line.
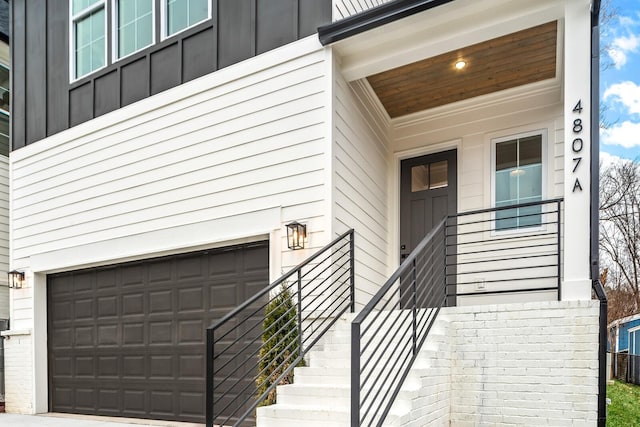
[[280, 344]]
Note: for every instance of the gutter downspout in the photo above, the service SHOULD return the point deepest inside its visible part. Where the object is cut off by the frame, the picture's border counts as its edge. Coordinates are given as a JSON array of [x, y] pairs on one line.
[[595, 214]]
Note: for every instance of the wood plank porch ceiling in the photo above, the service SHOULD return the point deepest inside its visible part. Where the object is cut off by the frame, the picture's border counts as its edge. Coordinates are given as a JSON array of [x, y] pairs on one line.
[[513, 60]]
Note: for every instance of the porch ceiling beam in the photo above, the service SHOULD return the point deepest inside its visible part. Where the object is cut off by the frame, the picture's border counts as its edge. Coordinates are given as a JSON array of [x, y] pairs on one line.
[[444, 29]]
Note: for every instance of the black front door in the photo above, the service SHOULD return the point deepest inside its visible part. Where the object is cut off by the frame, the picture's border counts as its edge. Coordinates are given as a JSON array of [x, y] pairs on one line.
[[427, 194]]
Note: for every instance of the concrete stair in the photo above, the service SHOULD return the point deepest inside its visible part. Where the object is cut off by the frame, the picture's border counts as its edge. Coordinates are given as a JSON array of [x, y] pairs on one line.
[[320, 395]]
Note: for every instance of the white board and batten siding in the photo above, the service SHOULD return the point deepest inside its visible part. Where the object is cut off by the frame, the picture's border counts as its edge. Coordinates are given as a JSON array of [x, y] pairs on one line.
[[4, 237], [362, 165], [233, 155], [345, 8]]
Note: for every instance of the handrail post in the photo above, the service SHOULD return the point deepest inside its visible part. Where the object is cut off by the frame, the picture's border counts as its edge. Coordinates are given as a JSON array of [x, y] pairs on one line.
[[414, 305], [210, 379], [444, 262], [299, 314], [559, 243], [355, 374], [352, 275]]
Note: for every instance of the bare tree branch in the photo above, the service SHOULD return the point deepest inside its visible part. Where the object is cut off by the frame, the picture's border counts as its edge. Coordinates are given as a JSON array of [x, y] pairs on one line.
[[620, 235]]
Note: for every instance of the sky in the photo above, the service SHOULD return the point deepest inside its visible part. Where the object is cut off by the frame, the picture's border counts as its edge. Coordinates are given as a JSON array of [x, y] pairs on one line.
[[620, 82]]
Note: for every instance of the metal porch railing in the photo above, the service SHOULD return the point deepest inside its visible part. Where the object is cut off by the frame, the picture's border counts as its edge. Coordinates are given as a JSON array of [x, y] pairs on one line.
[[505, 250], [510, 249], [310, 298]]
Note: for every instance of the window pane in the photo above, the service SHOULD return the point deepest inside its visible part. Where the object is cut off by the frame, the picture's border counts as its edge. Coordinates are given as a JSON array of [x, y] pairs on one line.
[[83, 61], [143, 7], [4, 134], [506, 155], [197, 11], [438, 174], [4, 88], [529, 216], [182, 14], [530, 183], [135, 25], [419, 178], [83, 32], [506, 188], [506, 219], [126, 40], [126, 12], [518, 179], [531, 150], [90, 43], [80, 5], [97, 54], [145, 31]]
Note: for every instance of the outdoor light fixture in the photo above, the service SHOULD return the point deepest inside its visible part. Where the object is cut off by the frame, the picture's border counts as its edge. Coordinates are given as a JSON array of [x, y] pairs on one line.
[[460, 64], [16, 279], [296, 233]]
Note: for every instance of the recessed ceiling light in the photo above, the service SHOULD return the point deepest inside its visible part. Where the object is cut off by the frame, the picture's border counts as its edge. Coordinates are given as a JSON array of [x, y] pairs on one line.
[[460, 64]]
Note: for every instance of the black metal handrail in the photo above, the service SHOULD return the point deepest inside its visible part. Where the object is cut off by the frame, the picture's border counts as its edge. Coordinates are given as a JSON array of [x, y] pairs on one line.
[[517, 243], [488, 250], [321, 289], [404, 310]]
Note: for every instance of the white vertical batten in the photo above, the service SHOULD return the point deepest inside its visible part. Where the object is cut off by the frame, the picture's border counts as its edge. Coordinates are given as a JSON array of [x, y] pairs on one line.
[[577, 125]]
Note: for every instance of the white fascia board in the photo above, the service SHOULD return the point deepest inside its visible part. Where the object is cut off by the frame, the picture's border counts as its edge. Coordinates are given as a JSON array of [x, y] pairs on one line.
[[440, 30], [194, 87]]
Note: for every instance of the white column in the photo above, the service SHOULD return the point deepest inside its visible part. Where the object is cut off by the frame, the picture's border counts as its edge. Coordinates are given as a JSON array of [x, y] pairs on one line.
[[577, 125], [40, 373]]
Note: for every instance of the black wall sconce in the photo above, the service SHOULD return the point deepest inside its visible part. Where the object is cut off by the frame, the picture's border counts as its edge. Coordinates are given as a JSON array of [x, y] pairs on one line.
[[16, 279], [296, 233]]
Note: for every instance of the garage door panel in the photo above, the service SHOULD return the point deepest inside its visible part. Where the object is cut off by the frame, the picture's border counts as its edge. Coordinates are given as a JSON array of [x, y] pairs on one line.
[[129, 340], [191, 298], [131, 275], [83, 283], [160, 301], [107, 306]]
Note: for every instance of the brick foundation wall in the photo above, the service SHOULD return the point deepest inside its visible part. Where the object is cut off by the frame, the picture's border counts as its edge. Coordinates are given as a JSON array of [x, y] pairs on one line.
[[524, 364], [18, 373]]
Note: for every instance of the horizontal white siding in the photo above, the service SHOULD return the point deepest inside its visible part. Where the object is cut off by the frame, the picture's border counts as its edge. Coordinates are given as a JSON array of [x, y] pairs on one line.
[[345, 8], [362, 162], [470, 126], [254, 143]]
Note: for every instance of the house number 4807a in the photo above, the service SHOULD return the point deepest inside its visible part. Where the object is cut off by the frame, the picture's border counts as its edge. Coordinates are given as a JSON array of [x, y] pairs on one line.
[[577, 144]]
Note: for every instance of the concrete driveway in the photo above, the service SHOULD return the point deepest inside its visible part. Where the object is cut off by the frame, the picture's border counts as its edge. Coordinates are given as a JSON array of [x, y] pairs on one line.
[[64, 420]]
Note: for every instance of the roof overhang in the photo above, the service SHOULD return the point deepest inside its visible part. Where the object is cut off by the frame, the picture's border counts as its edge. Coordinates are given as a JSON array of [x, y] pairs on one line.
[[403, 32]]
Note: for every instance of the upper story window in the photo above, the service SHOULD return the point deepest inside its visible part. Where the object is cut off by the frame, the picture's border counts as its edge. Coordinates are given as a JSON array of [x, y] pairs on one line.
[[518, 178], [134, 23], [4, 110], [132, 27], [182, 14], [89, 41]]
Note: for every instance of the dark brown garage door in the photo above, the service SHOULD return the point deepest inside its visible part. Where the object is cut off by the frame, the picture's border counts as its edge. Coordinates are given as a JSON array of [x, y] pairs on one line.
[[128, 340]]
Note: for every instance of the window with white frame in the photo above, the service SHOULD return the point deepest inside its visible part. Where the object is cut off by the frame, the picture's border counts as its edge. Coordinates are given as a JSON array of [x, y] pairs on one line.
[[89, 41], [518, 178], [182, 14], [134, 25]]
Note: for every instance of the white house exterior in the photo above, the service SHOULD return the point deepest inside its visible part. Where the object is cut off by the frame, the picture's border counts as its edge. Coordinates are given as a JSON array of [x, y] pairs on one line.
[[113, 193]]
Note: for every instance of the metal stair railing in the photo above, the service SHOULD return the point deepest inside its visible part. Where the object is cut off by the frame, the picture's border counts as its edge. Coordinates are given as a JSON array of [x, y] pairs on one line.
[[388, 333], [471, 254], [321, 289]]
